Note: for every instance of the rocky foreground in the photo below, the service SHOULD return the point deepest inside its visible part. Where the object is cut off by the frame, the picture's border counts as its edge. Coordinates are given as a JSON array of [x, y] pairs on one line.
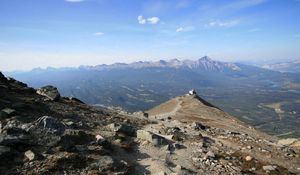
[[44, 133]]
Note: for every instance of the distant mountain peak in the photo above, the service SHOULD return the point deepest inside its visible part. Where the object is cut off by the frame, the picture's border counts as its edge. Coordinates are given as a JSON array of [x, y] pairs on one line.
[[205, 58], [203, 64]]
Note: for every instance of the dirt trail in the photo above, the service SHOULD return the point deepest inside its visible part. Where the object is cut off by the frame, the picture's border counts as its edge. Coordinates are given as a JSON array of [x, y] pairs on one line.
[[166, 110]]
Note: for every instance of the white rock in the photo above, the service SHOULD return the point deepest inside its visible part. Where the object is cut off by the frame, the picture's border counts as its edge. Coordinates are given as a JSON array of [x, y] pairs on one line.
[[248, 158], [99, 137], [269, 167], [30, 155]]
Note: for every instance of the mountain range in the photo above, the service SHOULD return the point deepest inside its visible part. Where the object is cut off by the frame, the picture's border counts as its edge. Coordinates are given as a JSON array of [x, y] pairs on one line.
[[267, 99], [289, 66], [204, 63]]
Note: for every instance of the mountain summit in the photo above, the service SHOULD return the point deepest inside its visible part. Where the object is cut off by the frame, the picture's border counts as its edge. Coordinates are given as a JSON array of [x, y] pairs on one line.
[[44, 133]]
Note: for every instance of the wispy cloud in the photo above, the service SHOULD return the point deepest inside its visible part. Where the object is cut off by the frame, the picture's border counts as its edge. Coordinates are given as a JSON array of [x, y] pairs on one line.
[[153, 20], [150, 20], [98, 33], [219, 23], [185, 29], [74, 1]]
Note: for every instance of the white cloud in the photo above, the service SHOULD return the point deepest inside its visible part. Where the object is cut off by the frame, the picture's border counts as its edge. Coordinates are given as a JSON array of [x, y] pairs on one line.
[[219, 23], [150, 20], [141, 19], [74, 1], [180, 29], [153, 20], [185, 29], [99, 33]]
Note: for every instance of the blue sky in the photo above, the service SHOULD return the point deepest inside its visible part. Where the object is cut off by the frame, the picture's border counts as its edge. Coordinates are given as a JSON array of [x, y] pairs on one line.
[[41, 33]]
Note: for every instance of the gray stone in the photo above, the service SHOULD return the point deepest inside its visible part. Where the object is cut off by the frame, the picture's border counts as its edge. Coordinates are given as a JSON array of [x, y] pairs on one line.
[[9, 111], [50, 124], [46, 131], [269, 167], [151, 137], [50, 92], [198, 126], [122, 128], [70, 123], [75, 137], [209, 155]]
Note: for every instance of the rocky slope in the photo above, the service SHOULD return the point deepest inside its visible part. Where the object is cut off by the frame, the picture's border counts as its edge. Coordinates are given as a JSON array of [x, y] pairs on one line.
[[44, 133]]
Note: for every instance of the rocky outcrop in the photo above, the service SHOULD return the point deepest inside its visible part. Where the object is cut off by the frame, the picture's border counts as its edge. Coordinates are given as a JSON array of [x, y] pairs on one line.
[[155, 139], [50, 92], [46, 131]]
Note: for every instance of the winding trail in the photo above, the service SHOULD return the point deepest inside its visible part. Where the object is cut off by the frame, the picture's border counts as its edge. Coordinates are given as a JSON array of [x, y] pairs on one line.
[[166, 110]]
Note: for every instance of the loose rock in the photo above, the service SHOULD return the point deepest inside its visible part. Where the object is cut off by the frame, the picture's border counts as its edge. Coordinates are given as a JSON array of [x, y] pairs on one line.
[[248, 158], [30, 155]]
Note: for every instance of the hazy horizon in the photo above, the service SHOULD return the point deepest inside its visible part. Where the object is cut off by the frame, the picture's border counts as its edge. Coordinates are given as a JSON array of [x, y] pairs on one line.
[[254, 63], [70, 33]]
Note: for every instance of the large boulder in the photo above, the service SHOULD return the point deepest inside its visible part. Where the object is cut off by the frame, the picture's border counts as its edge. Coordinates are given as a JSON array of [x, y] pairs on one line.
[[47, 131], [75, 137], [50, 125], [50, 92], [122, 128], [155, 139]]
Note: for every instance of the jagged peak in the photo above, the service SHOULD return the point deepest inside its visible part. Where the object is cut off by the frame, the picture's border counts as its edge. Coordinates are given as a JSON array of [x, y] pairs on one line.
[[205, 58]]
